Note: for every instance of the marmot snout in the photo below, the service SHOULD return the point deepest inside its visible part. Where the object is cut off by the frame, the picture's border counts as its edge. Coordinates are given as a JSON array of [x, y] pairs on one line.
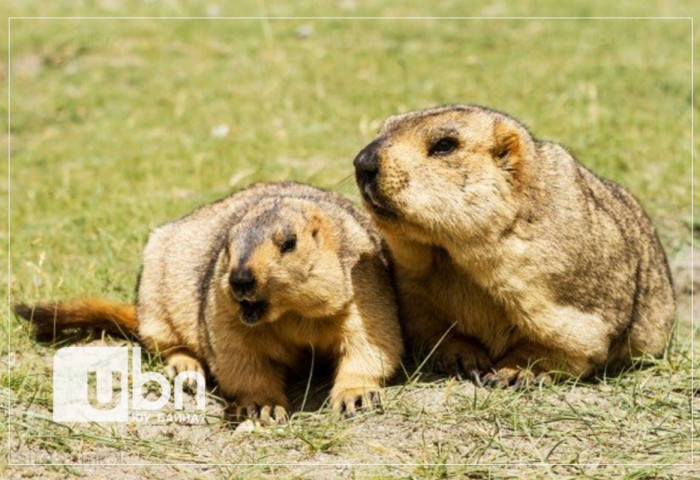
[[282, 258]]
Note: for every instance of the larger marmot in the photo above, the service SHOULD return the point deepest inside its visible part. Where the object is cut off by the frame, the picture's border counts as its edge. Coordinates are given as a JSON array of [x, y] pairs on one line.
[[509, 253], [249, 286]]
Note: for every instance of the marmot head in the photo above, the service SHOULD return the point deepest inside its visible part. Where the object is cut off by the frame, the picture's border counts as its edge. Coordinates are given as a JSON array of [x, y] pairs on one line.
[[446, 172], [283, 257]]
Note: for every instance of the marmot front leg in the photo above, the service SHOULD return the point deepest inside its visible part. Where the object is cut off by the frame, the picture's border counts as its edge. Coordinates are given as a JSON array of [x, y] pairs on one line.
[[458, 354], [181, 360], [255, 386], [452, 352], [366, 359], [527, 363], [576, 342]]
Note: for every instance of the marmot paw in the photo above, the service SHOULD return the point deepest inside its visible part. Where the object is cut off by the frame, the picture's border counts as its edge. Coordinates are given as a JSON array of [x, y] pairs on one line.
[[462, 356], [182, 362], [352, 400], [267, 413], [518, 378]]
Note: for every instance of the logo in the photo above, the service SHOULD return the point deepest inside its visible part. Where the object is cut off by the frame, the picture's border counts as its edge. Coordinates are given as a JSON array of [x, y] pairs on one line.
[[90, 384]]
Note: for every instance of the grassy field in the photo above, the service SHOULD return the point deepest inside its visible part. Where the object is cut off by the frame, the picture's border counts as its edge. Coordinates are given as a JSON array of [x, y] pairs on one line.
[[119, 125]]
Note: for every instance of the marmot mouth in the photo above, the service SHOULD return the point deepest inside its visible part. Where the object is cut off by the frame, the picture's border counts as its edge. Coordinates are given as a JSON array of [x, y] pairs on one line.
[[252, 311], [377, 206], [381, 211]]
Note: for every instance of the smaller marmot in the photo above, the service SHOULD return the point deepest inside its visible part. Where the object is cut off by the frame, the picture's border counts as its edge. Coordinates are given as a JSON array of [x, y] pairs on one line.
[[249, 286], [510, 256]]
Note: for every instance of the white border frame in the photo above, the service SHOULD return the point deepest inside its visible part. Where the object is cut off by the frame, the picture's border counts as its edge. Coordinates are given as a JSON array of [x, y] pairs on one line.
[[516, 464]]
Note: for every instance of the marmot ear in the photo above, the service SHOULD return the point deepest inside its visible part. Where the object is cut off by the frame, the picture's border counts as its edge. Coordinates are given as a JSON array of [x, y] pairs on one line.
[[320, 231], [315, 225], [510, 146]]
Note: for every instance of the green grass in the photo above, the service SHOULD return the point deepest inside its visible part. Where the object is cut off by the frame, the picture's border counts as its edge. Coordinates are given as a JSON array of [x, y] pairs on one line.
[[111, 135]]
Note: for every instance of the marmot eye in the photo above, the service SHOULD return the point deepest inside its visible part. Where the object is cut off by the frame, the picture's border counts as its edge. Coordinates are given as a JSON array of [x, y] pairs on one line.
[[289, 244], [444, 146]]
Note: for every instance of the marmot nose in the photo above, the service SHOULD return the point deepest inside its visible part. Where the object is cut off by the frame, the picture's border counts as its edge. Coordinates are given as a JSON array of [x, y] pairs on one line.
[[242, 281], [367, 164]]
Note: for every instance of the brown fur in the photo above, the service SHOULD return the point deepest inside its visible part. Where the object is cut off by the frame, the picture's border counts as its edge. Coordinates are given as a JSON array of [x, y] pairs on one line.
[[321, 284], [530, 258]]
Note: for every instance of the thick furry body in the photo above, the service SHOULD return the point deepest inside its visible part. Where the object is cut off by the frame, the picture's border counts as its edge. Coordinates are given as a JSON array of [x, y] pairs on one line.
[[250, 285], [527, 257]]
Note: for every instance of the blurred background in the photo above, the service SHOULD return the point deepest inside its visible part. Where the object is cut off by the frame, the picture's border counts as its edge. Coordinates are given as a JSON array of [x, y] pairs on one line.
[[119, 125]]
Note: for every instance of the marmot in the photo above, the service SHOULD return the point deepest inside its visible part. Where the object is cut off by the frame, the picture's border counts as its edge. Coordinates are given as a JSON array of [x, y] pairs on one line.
[[249, 286], [510, 256]]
